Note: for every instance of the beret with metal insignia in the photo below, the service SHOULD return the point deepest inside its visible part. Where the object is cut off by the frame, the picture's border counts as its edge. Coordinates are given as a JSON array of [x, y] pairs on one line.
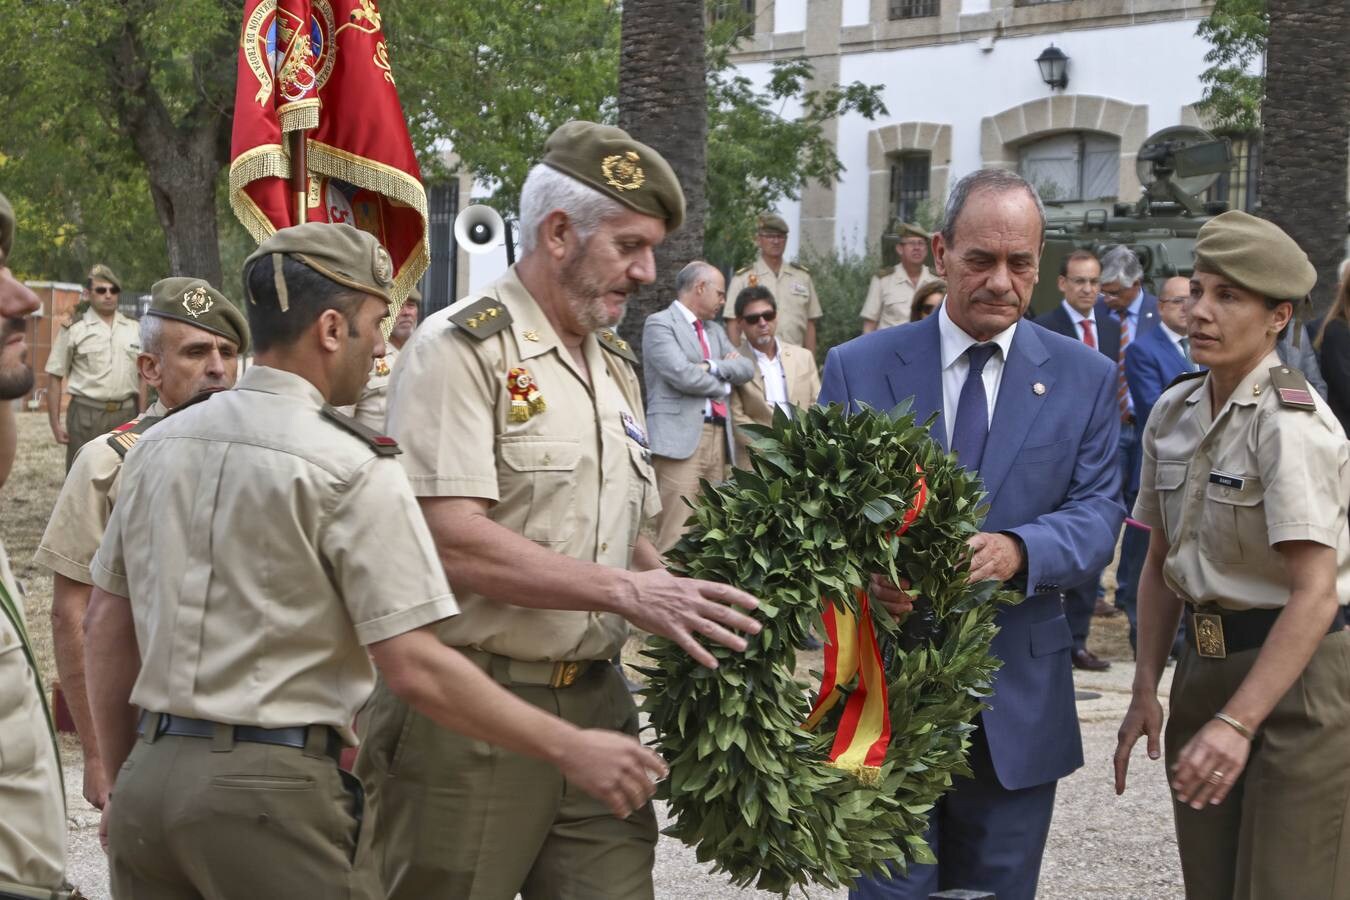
[[7, 225], [773, 222], [1255, 253], [339, 252], [609, 160], [101, 271], [195, 302]]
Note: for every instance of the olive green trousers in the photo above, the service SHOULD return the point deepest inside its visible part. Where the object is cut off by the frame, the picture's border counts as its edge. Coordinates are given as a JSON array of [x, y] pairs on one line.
[[87, 419], [1284, 829], [463, 820], [202, 819]]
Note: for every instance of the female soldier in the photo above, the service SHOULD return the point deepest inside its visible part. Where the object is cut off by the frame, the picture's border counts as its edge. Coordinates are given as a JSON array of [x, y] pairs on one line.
[[1245, 483]]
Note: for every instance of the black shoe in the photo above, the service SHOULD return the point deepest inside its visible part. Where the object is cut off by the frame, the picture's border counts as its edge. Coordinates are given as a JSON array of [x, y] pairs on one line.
[[1089, 661]]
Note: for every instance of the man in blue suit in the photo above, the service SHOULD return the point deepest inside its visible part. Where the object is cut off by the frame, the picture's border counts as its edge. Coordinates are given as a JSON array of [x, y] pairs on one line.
[[1035, 413], [1137, 311], [1081, 317]]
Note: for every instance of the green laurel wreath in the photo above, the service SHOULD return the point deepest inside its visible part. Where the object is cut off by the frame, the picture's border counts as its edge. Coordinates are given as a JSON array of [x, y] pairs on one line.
[[814, 516]]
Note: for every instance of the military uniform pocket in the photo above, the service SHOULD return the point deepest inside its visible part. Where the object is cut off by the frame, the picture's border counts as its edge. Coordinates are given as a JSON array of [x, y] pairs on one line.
[[1169, 481], [21, 721], [1233, 525], [640, 486], [538, 486]]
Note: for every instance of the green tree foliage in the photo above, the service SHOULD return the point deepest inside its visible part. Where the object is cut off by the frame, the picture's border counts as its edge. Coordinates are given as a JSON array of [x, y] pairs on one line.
[[841, 278], [1236, 31]]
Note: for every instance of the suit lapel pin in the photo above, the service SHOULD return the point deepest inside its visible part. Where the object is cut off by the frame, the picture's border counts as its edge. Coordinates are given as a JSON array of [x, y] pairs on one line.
[[1038, 389]]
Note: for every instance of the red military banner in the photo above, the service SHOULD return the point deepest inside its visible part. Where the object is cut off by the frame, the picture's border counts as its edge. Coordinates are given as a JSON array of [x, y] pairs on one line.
[[323, 66]]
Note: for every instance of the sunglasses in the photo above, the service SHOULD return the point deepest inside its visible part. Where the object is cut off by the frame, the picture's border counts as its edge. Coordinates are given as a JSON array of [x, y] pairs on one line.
[[754, 318], [107, 290]]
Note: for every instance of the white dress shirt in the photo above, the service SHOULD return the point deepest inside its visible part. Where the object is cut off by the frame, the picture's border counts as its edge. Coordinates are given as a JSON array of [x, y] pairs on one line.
[[712, 363], [1176, 340], [1078, 318], [955, 366], [775, 378]]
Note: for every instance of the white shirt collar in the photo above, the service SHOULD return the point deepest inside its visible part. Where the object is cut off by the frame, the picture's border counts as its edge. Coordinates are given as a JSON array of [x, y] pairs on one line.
[[1171, 335], [955, 341], [686, 312], [764, 357], [1075, 316]]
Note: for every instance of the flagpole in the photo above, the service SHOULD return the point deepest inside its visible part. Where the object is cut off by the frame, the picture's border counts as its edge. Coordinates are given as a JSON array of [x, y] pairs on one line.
[[300, 176]]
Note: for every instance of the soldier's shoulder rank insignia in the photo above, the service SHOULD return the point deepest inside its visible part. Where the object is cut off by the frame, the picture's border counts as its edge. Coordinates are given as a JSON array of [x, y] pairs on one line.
[[743, 269], [616, 345], [124, 437], [382, 444], [800, 267], [1292, 388], [886, 272], [482, 318]]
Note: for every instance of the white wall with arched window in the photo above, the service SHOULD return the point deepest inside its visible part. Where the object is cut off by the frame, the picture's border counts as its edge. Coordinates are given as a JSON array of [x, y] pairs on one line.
[[1072, 166]]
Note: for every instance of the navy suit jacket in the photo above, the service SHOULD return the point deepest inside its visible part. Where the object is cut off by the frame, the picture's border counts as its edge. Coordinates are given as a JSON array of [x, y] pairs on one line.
[[1106, 328], [1151, 363], [1148, 317], [1052, 479]]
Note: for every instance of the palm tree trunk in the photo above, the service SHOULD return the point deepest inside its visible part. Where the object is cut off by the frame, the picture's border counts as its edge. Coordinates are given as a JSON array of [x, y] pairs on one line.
[[1303, 120], [663, 102]]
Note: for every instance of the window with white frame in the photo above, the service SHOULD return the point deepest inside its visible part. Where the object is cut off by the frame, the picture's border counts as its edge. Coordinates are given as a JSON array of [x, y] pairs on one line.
[[1073, 166]]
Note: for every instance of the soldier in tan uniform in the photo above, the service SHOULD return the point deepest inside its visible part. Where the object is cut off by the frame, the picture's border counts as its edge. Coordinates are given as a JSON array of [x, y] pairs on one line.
[[370, 409], [522, 426], [94, 358], [1245, 482], [890, 296], [271, 549], [790, 284], [32, 804], [191, 339]]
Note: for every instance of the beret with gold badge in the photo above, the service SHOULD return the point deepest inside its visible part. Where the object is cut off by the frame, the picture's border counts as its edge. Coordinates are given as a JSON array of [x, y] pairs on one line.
[[349, 256], [609, 160], [195, 302], [773, 222], [99, 270]]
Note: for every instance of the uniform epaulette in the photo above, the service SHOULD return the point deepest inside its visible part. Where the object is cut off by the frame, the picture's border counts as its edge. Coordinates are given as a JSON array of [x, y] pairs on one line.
[[124, 437], [888, 271], [616, 345], [798, 265], [1292, 388], [482, 318], [743, 269], [382, 444], [1185, 376]]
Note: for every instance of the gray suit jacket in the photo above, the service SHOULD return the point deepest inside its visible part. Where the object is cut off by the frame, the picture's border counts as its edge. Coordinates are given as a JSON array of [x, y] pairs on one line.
[[677, 385]]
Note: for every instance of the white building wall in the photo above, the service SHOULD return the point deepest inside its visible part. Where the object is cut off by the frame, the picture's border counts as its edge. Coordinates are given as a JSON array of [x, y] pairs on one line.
[[789, 15]]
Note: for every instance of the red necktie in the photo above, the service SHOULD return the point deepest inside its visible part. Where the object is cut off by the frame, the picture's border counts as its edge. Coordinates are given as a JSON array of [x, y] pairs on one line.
[[718, 407], [1088, 337], [1123, 387]]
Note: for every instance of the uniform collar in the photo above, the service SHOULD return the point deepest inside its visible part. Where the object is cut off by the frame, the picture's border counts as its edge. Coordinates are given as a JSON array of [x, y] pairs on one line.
[[1249, 390], [532, 330], [268, 380], [155, 410], [92, 317]]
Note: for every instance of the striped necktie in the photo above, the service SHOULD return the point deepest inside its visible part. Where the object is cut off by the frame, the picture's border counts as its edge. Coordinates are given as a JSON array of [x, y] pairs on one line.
[[1122, 388]]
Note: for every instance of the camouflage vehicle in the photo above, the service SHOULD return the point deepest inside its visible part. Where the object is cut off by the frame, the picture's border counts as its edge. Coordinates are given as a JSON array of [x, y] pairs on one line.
[[1177, 165]]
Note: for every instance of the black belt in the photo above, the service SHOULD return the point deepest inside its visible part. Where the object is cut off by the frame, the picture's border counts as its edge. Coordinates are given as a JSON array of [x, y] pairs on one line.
[[714, 420], [1217, 634], [296, 736]]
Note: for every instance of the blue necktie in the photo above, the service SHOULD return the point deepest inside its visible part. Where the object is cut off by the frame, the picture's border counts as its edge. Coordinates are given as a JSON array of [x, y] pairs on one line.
[[972, 410]]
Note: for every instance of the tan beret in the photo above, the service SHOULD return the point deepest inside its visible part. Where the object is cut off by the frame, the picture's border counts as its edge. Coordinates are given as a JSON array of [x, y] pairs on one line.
[[1256, 254], [195, 302], [101, 271], [906, 229], [7, 225], [414, 296], [772, 222], [609, 160], [349, 256]]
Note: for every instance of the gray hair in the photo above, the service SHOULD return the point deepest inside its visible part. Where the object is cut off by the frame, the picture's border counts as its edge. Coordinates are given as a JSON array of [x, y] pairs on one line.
[[1120, 263], [690, 276], [152, 334], [996, 180], [546, 190]]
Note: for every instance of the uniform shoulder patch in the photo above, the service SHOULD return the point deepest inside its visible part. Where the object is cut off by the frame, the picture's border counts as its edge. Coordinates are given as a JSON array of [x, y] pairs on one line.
[[124, 437], [482, 318], [1292, 388], [616, 345], [887, 271], [1185, 376], [797, 265], [382, 444]]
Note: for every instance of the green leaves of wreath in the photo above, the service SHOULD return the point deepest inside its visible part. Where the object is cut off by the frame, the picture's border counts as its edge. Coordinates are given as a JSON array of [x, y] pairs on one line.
[[814, 517]]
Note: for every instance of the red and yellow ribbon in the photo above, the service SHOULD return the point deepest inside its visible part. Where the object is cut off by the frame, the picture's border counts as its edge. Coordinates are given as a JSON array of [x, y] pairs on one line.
[[852, 650]]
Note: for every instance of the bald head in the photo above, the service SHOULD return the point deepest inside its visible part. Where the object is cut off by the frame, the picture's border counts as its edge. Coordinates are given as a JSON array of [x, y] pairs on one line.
[[1172, 302]]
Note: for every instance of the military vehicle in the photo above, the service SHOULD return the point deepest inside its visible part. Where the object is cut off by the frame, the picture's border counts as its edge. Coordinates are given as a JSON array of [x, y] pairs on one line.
[[1176, 165]]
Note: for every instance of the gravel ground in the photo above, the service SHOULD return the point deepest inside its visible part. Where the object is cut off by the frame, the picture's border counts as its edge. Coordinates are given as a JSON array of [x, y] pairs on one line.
[[1097, 840]]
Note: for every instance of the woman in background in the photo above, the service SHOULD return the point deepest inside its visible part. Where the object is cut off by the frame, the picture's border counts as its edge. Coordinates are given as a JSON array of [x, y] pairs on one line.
[[927, 299]]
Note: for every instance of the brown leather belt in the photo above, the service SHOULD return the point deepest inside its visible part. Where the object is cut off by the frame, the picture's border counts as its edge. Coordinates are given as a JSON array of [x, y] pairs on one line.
[[105, 405], [1218, 632], [506, 670]]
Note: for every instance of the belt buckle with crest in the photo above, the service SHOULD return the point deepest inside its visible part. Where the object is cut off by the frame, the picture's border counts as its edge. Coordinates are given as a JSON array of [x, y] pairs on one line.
[[1209, 641]]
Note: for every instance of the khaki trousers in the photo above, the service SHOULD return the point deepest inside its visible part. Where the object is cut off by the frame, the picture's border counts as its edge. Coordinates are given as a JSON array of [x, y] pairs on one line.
[[677, 480], [1284, 829], [87, 419], [463, 820], [32, 806], [202, 819]]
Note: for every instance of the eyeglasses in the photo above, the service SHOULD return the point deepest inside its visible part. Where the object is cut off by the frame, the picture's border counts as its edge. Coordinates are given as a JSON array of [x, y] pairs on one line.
[[773, 235], [1181, 299], [754, 318], [108, 290], [1081, 282], [913, 242]]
